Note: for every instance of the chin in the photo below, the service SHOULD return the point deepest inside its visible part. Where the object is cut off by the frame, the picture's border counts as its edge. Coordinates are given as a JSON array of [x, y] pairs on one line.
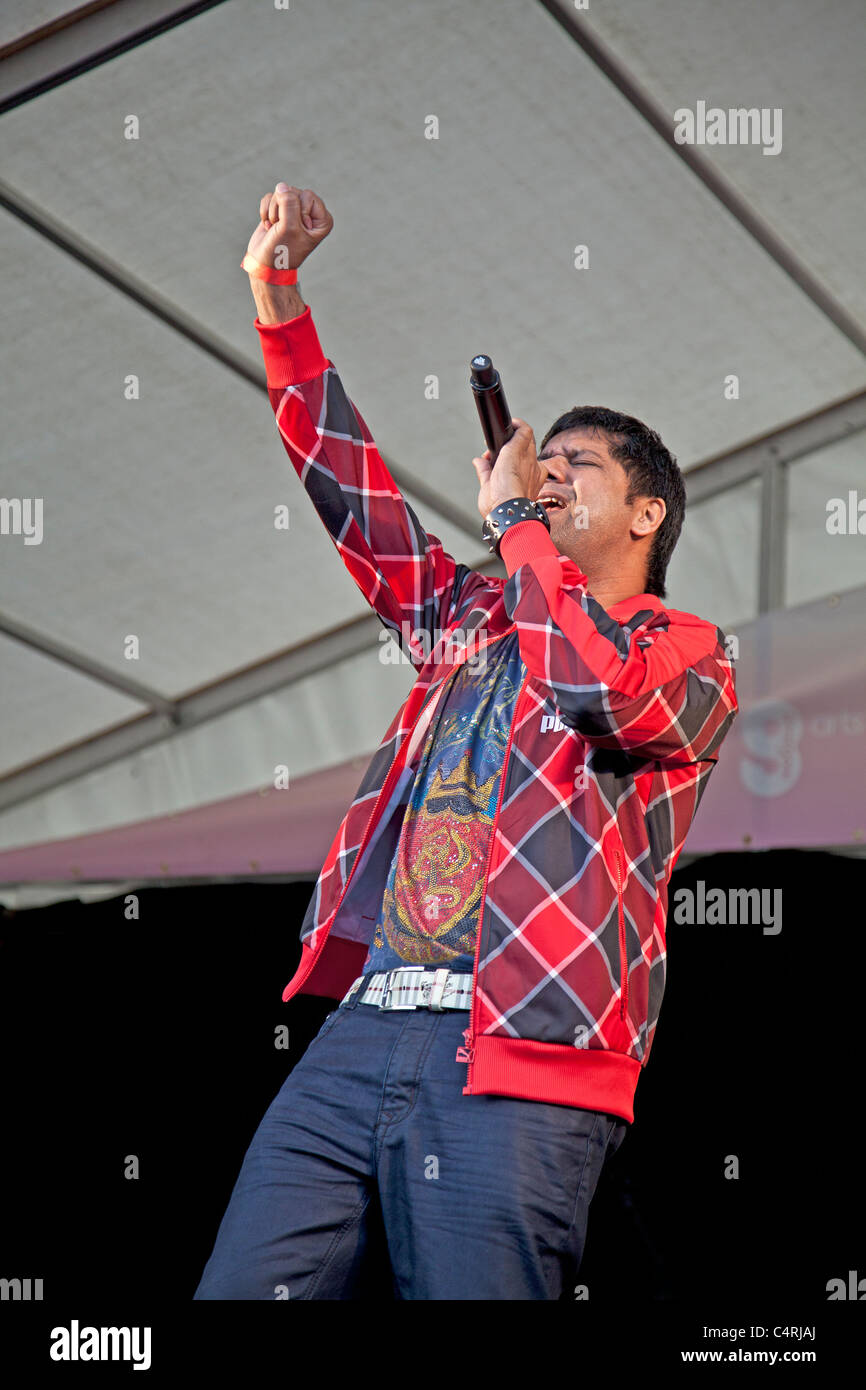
[[562, 533]]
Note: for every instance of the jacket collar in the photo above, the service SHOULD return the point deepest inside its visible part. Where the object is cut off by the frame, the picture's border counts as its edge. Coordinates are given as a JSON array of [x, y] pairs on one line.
[[635, 603]]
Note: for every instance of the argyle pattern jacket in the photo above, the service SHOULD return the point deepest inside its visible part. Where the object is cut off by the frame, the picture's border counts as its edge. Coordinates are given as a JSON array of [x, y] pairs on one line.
[[615, 732]]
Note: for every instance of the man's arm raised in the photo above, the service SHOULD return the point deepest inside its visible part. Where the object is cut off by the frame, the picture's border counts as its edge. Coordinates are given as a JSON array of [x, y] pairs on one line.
[[404, 573]]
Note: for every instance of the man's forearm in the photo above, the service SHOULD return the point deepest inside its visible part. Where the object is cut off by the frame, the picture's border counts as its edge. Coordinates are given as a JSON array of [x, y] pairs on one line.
[[276, 303]]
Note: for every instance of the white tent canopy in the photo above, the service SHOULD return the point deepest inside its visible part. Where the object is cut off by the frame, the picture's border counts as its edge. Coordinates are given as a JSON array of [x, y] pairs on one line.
[[554, 130]]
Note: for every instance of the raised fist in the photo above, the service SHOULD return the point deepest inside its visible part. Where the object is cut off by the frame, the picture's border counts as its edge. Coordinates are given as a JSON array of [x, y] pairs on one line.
[[292, 218]]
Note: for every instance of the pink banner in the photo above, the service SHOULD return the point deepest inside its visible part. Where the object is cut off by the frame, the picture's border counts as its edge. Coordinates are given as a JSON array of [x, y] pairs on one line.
[[261, 832], [792, 770]]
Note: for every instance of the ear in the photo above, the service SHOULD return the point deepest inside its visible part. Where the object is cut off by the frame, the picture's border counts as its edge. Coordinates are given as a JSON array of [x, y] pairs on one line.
[[651, 512]]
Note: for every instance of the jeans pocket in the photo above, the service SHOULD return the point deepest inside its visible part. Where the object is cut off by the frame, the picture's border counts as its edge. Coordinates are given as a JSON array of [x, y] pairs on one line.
[[327, 1025], [619, 1128]]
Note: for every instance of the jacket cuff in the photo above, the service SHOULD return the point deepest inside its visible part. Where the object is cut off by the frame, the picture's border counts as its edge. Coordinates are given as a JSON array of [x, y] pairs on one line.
[[291, 350], [528, 540]]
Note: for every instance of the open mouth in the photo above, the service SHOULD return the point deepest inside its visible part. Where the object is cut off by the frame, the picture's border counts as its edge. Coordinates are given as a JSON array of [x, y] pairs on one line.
[[553, 504]]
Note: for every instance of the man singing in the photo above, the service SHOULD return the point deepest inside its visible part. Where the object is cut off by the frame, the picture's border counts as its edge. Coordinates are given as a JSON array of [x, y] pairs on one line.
[[492, 910]]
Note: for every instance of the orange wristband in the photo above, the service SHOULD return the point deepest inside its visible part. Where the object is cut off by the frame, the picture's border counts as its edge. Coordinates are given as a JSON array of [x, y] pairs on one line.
[[267, 272]]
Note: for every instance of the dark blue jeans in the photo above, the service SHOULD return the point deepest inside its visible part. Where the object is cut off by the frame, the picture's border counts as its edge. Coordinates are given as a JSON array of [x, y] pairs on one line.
[[481, 1197]]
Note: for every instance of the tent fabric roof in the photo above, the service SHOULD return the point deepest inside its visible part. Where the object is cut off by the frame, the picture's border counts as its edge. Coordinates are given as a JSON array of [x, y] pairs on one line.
[[255, 649]]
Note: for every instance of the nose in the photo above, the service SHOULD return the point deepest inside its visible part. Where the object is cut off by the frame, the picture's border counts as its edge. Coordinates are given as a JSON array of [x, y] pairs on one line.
[[557, 468]]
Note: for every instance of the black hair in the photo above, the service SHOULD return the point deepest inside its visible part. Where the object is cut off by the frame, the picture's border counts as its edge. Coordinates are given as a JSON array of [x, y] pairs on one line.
[[652, 472]]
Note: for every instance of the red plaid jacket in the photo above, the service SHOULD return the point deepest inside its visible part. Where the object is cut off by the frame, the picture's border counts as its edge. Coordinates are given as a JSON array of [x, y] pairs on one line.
[[615, 732]]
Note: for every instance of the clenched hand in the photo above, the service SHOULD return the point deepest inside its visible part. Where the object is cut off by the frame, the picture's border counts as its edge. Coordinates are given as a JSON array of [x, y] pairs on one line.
[[295, 218]]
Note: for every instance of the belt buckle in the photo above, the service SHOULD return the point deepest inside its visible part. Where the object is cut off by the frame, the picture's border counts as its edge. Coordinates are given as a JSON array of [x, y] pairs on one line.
[[351, 991], [389, 985], [434, 999]]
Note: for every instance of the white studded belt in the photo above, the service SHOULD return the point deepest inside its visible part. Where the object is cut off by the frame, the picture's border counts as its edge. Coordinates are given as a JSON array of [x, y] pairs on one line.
[[415, 987]]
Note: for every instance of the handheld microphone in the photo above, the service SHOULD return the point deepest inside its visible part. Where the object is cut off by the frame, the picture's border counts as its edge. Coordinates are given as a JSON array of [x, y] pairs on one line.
[[493, 409]]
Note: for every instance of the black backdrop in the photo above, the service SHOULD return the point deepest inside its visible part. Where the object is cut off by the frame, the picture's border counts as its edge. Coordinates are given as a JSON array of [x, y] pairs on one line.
[[156, 1038]]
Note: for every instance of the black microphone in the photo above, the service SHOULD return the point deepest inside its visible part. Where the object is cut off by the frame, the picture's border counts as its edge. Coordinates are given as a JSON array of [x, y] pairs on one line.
[[493, 409]]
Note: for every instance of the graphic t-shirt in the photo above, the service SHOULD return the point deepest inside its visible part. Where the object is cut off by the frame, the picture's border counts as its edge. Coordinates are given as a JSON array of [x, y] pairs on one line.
[[430, 908]]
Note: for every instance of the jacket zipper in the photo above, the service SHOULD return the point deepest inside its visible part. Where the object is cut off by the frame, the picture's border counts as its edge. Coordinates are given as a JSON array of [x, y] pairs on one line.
[[623, 963], [362, 846], [466, 1053]]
